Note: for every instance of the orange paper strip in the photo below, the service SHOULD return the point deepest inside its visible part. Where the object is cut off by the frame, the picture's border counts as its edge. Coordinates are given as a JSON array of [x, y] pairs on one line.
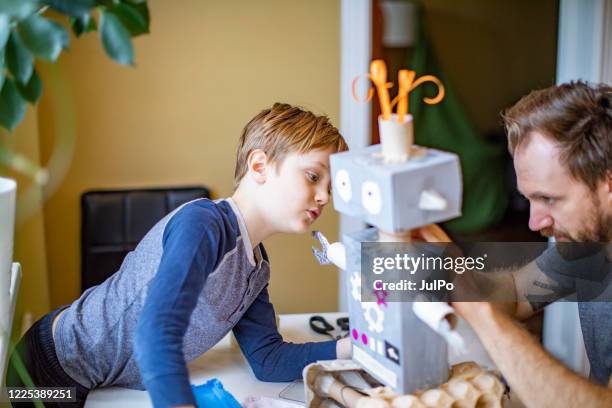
[[430, 78], [378, 75], [404, 79], [354, 89]]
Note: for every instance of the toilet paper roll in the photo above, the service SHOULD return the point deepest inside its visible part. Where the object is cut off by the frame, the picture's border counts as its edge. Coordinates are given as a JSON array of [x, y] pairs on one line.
[[440, 316], [434, 313], [396, 139]]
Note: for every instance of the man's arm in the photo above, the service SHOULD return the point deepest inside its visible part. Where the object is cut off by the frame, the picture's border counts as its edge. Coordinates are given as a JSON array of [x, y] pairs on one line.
[[537, 378], [271, 358], [535, 290], [519, 292]]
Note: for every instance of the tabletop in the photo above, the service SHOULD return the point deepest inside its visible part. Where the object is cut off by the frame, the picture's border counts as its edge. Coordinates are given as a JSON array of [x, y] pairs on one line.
[[225, 362]]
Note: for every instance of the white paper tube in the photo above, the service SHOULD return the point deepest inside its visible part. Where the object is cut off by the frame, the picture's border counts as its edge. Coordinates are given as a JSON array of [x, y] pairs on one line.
[[440, 316], [433, 313], [396, 139], [7, 227], [336, 253]]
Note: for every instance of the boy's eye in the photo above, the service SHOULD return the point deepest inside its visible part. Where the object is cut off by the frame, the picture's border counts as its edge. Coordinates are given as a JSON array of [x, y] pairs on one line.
[[312, 177]]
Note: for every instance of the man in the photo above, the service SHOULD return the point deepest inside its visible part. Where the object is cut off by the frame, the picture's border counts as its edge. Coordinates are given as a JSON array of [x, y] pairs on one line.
[[561, 142]]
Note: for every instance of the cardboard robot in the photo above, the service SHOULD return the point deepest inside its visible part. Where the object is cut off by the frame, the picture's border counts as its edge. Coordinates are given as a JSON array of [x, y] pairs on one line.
[[395, 187]]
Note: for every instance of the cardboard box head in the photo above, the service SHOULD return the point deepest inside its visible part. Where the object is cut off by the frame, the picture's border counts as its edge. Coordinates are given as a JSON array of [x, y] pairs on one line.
[[394, 197]]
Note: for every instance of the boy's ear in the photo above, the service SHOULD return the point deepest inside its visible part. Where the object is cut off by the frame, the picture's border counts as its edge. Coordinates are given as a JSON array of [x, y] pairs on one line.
[[257, 162]]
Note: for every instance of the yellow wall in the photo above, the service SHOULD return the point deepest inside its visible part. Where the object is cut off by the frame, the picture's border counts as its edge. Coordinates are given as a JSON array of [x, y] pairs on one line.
[[206, 68]]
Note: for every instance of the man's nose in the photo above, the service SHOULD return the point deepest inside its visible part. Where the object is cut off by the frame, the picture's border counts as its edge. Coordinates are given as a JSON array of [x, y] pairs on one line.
[[539, 218]]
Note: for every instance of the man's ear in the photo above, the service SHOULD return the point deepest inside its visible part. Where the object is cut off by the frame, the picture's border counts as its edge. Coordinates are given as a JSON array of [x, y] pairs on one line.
[[257, 165]]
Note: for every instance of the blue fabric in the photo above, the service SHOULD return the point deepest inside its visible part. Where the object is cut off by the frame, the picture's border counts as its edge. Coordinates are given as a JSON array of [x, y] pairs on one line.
[[212, 394]]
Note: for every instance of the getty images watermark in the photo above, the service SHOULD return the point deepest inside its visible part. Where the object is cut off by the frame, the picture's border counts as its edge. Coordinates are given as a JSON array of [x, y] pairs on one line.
[[410, 264], [537, 272]]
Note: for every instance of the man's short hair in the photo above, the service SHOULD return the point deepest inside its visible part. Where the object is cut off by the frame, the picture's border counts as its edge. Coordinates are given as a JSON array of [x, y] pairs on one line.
[[284, 129], [578, 117]]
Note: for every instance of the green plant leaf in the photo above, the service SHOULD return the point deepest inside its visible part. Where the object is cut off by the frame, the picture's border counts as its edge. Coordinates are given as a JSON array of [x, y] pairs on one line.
[[82, 24], [73, 8], [18, 8], [116, 38], [143, 9], [91, 26], [2, 74], [12, 105], [78, 24], [5, 30], [43, 37], [18, 58], [32, 90], [134, 17]]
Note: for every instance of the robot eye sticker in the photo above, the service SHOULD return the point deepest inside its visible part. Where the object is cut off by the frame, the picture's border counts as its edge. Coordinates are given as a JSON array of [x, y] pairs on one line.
[[342, 182], [371, 198]]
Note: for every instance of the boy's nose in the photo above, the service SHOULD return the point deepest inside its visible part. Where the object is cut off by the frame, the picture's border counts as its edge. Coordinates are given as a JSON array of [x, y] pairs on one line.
[[539, 218], [322, 197]]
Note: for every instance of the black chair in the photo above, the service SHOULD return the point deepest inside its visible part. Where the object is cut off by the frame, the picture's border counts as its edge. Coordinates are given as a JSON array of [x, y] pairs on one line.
[[114, 221]]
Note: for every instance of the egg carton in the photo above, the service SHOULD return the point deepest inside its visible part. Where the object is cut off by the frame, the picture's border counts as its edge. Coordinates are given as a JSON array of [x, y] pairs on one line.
[[342, 383]]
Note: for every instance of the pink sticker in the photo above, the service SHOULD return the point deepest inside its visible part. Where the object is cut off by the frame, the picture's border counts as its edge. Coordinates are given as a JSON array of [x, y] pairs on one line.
[[364, 339], [355, 334]]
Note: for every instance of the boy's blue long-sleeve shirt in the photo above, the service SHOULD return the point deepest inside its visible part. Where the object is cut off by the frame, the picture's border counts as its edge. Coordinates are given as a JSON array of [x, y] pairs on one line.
[[191, 280]]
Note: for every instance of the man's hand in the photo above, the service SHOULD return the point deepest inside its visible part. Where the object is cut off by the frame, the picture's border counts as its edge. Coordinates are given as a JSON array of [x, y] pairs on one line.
[[430, 233], [537, 378], [473, 312], [480, 313]]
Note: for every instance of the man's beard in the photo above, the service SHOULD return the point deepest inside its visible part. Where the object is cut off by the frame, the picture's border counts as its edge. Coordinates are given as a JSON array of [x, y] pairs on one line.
[[598, 227]]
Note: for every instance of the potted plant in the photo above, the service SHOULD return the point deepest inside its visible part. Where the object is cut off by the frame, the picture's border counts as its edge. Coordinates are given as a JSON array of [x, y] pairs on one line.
[[38, 29]]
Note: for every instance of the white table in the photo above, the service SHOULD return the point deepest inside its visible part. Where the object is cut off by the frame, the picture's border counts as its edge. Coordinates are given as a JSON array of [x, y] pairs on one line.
[[225, 362]]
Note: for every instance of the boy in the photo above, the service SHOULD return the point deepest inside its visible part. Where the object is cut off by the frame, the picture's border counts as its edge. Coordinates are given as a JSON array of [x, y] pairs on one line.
[[200, 272]]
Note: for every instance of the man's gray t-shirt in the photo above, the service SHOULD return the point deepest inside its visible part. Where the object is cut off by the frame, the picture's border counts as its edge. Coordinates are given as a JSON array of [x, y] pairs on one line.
[[589, 277]]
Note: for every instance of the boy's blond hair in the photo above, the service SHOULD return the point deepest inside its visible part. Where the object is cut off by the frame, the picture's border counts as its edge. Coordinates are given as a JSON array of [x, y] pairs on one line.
[[284, 129]]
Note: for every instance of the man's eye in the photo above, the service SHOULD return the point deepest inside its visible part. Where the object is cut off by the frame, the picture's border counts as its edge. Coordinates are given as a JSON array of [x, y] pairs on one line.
[[548, 200], [312, 177]]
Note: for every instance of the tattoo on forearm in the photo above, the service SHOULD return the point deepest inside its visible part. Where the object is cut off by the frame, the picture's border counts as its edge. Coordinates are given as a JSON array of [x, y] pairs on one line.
[[540, 300], [559, 290]]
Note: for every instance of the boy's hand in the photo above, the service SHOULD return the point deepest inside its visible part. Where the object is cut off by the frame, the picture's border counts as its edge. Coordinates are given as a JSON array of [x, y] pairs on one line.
[[344, 349], [430, 233]]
